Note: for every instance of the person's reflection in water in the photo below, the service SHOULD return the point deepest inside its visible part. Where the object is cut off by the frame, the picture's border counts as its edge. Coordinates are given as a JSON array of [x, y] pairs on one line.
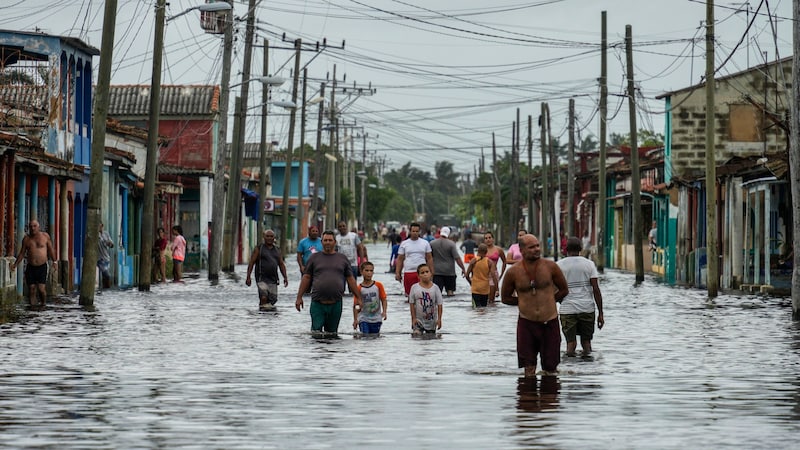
[[538, 396]]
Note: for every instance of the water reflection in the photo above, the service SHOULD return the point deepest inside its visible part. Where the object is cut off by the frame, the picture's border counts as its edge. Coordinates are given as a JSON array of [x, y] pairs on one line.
[[535, 395]]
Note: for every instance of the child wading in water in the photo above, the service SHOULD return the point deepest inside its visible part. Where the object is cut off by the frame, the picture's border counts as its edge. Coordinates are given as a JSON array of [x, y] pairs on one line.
[[480, 271], [369, 317], [425, 301]]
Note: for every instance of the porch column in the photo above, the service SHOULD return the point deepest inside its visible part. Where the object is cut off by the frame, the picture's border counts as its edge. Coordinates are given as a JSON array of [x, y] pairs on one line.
[[63, 241], [737, 234], [22, 183], [767, 208], [206, 196]]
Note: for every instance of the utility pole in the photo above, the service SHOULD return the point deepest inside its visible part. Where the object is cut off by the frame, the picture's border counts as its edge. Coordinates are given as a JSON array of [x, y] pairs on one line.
[[319, 160], [234, 203], [151, 166], [556, 187], [601, 174], [498, 216], [284, 228], [712, 255], [545, 184], [301, 157], [218, 210], [89, 267], [362, 216], [531, 227], [794, 159], [636, 182], [265, 162], [332, 194], [513, 210], [571, 172]]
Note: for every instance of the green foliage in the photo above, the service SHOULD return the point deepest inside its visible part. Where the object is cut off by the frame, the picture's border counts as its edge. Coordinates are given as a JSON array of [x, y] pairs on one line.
[[644, 138]]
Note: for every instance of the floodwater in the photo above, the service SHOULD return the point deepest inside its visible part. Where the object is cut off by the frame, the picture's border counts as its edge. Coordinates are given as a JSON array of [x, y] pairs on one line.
[[197, 366]]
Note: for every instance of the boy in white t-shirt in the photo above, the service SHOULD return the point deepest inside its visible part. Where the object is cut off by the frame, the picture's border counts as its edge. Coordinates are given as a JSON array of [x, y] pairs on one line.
[[577, 311]]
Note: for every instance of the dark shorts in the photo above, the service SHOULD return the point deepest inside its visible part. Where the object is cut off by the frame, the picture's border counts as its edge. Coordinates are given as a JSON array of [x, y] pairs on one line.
[[409, 279], [369, 327], [480, 300], [36, 274], [581, 324], [535, 338], [325, 317], [446, 282]]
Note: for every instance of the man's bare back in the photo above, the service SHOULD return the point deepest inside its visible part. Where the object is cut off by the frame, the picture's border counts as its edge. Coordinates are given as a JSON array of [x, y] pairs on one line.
[[538, 282]]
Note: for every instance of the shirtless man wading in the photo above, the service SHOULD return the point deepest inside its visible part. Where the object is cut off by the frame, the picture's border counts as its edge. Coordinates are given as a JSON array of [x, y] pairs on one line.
[[539, 284], [36, 248]]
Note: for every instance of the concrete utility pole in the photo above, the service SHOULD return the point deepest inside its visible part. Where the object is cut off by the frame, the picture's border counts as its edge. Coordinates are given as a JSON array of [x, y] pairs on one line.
[[636, 181], [284, 228], [601, 174], [265, 161], [218, 209], [331, 197], [794, 159], [151, 167], [234, 203], [545, 183], [712, 255], [89, 267], [571, 172]]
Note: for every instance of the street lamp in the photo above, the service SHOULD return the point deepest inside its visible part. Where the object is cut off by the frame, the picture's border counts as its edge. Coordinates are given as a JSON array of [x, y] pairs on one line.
[[206, 7], [145, 266]]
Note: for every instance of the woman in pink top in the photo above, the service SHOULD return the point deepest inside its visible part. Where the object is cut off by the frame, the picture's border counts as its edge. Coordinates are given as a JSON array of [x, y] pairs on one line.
[[496, 254], [178, 246]]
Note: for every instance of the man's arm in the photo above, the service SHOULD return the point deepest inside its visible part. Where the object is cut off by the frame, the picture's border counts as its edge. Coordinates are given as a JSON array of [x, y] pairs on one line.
[[305, 283], [300, 262], [253, 259], [351, 283], [23, 248], [598, 300], [282, 267], [507, 289], [398, 264], [429, 260], [559, 281], [362, 251]]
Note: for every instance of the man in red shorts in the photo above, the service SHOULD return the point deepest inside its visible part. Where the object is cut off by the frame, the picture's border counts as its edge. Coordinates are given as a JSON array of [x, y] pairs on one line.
[[539, 284]]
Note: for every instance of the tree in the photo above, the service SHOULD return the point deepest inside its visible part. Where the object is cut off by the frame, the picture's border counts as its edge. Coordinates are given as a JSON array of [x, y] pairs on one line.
[[645, 138]]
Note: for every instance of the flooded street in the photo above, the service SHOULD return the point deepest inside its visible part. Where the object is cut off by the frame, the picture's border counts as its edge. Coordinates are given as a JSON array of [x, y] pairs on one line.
[[194, 365]]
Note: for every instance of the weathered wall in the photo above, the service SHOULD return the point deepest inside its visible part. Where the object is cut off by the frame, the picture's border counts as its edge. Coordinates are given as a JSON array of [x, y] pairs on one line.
[[689, 119]]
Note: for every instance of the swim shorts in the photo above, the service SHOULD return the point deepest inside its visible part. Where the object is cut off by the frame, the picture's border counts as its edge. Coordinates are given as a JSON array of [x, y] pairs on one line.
[[325, 317], [446, 282], [480, 300], [535, 338], [36, 274], [267, 291]]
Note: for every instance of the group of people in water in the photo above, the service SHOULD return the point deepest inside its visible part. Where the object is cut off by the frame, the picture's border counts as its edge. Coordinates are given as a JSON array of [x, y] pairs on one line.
[[332, 262]]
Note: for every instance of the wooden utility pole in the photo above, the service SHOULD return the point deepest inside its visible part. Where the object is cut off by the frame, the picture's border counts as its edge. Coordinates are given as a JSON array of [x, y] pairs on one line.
[[151, 165], [265, 160], [89, 267], [545, 183], [234, 203], [636, 182], [498, 215], [602, 204], [331, 196], [571, 172], [712, 256], [319, 160], [556, 188], [218, 201], [532, 228], [300, 158], [794, 159], [287, 175]]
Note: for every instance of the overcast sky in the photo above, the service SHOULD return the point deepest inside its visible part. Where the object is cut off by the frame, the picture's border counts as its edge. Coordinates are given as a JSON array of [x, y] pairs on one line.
[[448, 73]]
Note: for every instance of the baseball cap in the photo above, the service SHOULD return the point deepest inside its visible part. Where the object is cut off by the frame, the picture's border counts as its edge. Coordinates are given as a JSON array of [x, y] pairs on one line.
[[444, 232]]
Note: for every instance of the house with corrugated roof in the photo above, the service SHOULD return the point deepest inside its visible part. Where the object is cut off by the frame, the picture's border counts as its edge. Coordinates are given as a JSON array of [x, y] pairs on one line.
[[45, 144], [751, 141], [189, 123]]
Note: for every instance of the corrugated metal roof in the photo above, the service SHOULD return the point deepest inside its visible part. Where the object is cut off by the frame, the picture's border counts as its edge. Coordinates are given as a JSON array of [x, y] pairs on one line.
[[186, 100]]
